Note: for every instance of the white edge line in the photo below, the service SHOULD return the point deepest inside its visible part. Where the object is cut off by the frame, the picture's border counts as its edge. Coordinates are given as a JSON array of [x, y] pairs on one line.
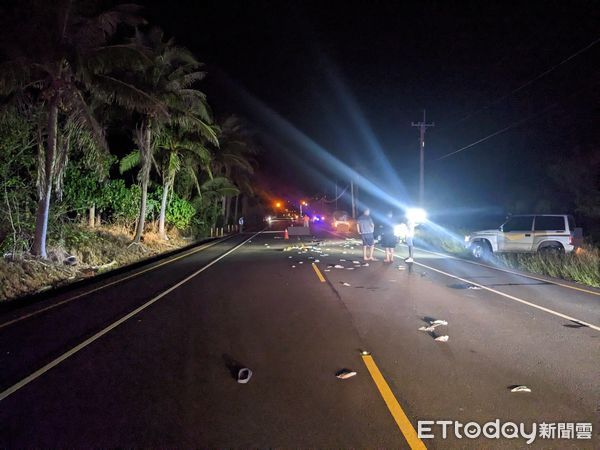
[[25, 381], [520, 274], [525, 302], [112, 283]]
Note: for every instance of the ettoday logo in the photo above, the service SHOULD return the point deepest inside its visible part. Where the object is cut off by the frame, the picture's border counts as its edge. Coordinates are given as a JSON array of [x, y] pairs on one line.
[[431, 429]]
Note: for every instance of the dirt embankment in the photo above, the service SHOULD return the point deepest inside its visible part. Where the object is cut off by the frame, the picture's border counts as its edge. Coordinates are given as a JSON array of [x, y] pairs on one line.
[[82, 253]]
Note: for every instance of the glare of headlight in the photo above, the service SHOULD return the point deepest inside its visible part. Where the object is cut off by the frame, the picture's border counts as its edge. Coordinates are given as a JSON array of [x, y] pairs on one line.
[[416, 215], [467, 238]]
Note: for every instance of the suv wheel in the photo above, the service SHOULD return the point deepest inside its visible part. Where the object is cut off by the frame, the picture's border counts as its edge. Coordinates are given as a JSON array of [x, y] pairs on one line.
[[556, 250], [480, 250]]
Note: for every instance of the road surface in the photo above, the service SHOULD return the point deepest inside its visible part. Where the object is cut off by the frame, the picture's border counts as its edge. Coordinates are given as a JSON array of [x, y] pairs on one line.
[[148, 358]]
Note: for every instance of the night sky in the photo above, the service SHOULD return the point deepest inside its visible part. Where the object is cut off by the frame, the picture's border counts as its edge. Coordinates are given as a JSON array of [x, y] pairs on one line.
[[332, 69]]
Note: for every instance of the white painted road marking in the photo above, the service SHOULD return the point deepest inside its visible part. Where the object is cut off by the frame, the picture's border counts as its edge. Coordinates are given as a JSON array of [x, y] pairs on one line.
[[512, 297], [520, 274], [112, 283], [38, 373]]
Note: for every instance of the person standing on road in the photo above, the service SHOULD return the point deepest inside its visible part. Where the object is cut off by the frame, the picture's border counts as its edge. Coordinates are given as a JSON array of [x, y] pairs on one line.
[[241, 224], [306, 220], [366, 227], [388, 238]]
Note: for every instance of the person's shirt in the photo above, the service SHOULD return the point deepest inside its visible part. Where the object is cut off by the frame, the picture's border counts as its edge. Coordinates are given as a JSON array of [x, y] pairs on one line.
[[365, 224]]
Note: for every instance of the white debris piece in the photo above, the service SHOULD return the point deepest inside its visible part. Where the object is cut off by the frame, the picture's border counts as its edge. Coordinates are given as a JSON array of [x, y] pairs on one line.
[[343, 260], [356, 262], [244, 375], [337, 266], [316, 260], [301, 262], [293, 267], [345, 373], [365, 265], [442, 338], [345, 284], [426, 328], [472, 286], [349, 268], [289, 257], [327, 270], [438, 322], [520, 389]]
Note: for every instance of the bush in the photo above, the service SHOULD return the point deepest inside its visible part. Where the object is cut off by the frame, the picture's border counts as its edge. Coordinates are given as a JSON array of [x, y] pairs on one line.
[[180, 213]]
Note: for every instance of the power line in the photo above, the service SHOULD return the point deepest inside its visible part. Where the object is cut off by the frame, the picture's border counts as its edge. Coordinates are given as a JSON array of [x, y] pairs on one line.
[[528, 83], [514, 124]]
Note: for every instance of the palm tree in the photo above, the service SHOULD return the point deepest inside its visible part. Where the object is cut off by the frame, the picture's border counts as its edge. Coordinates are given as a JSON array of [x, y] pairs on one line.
[[176, 148], [234, 160], [169, 78], [58, 56]]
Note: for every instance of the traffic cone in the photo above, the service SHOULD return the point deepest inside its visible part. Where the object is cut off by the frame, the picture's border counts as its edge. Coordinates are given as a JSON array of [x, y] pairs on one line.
[[286, 235]]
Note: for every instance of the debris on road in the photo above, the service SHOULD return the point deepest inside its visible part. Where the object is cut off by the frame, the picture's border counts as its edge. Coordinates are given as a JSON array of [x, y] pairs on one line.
[[327, 270], [438, 322], [345, 284], [442, 338], [244, 375], [345, 374], [401, 268], [300, 262], [293, 267], [365, 265], [356, 262], [338, 266], [520, 388], [317, 261], [349, 268], [343, 260], [472, 286]]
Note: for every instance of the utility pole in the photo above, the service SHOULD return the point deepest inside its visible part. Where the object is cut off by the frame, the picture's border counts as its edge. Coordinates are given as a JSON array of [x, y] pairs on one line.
[[422, 128], [352, 196], [336, 199]]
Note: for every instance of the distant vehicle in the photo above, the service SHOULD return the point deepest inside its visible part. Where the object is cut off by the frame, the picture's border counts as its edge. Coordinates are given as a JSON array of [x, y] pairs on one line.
[[555, 233], [342, 222]]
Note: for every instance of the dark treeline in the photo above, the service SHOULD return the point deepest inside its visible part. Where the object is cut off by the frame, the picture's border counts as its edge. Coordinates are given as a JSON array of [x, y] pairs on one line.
[[75, 73]]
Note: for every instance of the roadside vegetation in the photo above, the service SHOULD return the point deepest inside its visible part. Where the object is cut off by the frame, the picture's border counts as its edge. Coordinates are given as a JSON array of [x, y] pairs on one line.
[[109, 150]]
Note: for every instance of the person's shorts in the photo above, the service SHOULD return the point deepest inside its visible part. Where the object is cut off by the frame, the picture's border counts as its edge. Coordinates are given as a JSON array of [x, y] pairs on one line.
[[368, 240]]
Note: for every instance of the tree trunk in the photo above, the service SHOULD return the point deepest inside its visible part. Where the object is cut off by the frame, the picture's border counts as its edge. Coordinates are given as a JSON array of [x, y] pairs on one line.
[[92, 215], [235, 214], [145, 178], [163, 210], [45, 189], [227, 210]]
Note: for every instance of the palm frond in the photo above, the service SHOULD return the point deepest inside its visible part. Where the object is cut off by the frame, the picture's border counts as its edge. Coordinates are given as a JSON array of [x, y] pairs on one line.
[[129, 161]]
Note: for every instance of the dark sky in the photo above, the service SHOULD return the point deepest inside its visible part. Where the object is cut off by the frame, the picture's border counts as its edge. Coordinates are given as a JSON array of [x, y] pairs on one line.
[[334, 68]]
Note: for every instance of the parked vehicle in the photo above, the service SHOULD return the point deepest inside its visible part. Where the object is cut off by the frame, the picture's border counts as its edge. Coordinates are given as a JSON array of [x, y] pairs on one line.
[[555, 233]]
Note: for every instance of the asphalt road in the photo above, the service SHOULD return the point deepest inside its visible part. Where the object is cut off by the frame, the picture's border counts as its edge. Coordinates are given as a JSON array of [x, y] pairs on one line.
[[149, 358]]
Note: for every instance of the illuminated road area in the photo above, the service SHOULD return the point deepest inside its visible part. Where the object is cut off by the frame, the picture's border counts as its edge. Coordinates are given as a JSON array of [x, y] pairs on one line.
[[150, 359]]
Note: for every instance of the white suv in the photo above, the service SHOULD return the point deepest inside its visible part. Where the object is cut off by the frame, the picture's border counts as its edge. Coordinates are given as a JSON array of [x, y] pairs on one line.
[[527, 233]]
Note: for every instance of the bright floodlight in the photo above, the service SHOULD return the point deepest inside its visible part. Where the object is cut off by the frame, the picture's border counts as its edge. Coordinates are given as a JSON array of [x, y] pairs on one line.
[[416, 215]]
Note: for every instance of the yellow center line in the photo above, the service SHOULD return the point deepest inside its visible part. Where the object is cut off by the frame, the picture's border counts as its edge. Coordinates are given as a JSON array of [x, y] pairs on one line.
[[398, 414], [318, 272]]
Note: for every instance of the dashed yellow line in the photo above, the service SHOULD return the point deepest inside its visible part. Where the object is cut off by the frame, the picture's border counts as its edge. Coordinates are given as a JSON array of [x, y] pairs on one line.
[[318, 272], [398, 414]]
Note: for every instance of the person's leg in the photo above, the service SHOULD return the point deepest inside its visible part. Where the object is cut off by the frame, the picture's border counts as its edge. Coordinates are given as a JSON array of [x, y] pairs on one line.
[[392, 254], [371, 250], [387, 255], [365, 253]]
